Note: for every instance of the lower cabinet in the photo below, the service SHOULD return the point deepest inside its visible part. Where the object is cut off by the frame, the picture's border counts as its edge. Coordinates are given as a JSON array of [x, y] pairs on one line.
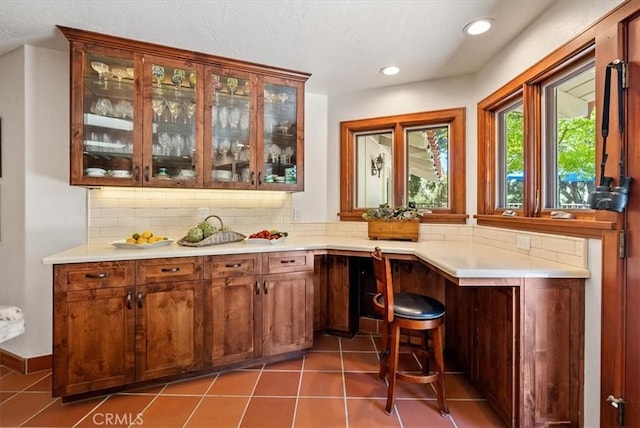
[[118, 323], [257, 305]]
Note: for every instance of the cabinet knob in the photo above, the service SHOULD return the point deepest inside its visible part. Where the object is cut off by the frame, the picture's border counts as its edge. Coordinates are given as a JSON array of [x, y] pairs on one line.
[[257, 287], [266, 287], [129, 299]]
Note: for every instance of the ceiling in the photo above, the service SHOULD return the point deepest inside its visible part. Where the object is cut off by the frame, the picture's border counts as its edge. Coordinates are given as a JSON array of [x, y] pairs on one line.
[[342, 43]]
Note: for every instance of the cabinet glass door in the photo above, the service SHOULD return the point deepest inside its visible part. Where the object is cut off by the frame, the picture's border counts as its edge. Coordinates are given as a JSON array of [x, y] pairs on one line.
[[108, 119], [171, 124], [280, 141], [230, 125]]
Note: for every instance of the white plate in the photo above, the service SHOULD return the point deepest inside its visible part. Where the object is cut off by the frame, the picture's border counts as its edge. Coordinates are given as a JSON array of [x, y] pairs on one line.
[[124, 244], [265, 241]]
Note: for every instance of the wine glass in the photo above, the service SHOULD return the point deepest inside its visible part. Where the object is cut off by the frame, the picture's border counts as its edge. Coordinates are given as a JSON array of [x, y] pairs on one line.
[[225, 146], [178, 77], [274, 152], [158, 73], [177, 141], [234, 118], [236, 148], [164, 139], [158, 106], [174, 108], [223, 117], [283, 96], [214, 147], [101, 68], [119, 72], [190, 109], [232, 85]]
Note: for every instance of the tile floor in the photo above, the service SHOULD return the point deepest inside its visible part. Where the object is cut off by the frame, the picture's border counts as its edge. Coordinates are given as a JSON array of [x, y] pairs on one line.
[[335, 385]]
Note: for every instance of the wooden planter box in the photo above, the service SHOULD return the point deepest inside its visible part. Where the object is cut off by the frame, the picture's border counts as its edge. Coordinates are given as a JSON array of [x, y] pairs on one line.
[[406, 230]]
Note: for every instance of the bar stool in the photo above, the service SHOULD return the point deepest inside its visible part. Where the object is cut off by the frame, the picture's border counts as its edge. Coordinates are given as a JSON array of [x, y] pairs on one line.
[[408, 311]]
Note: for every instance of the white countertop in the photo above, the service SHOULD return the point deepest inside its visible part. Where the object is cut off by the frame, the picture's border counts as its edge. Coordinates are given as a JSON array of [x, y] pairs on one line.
[[458, 259]]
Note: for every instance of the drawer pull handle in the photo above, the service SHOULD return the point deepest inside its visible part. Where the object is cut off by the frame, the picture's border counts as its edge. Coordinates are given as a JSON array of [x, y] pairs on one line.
[[100, 275], [253, 178], [129, 298], [233, 265], [286, 262], [175, 269], [140, 295], [257, 287]]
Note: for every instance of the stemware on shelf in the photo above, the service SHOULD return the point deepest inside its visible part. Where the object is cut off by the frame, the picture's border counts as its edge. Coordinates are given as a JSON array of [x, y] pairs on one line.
[[225, 146], [175, 107], [232, 85], [223, 117], [164, 139], [236, 148], [158, 73], [101, 68], [158, 106], [190, 109], [178, 77], [178, 143], [234, 118], [119, 73]]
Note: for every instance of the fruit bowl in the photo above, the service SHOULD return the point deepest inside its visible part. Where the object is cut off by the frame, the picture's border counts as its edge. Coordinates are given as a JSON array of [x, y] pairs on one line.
[[122, 243], [265, 241]]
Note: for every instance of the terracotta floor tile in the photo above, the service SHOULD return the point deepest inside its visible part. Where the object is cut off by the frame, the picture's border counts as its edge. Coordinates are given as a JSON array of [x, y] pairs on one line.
[[458, 386], [368, 413], [320, 413], [472, 413], [147, 389], [15, 382], [122, 408], [364, 385], [197, 386], [321, 384], [234, 383], [295, 364], [358, 343], [361, 362], [278, 384], [421, 413], [4, 396], [169, 411], [266, 412], [415, 390], [43, 385], [218, 412], [4, 370], [16, 410], [63, 415], [324, 342], [369, 325], [327, 361]]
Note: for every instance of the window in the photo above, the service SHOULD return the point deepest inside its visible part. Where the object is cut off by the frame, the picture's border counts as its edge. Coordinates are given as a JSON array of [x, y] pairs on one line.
[[417, 158], [537, 146]]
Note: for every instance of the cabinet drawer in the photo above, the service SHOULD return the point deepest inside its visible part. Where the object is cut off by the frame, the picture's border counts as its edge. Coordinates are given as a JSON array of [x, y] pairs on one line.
[[81, 276], [173, 269], [234, 265], [289, 261]]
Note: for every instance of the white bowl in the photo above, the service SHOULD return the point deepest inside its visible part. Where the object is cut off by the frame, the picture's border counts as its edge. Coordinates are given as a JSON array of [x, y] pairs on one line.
[[95, 171], [120, 173]]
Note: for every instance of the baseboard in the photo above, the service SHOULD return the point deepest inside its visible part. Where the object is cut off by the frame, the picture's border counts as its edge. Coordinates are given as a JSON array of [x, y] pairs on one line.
[[25, 365]]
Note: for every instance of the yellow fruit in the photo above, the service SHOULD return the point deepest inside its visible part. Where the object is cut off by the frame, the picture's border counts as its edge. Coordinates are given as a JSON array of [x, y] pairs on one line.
[[152, 240], [131, 241], [141, 240], [159, 238], [146, 234]]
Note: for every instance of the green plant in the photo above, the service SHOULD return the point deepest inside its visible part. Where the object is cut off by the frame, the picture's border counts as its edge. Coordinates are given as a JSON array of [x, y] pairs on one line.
[[385, 212]]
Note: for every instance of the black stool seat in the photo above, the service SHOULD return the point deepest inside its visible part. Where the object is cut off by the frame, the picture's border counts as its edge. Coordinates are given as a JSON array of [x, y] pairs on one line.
[[414, 306]]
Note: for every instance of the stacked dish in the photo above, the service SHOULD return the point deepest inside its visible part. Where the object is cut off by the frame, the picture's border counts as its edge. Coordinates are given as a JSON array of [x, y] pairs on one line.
[[95, 172]]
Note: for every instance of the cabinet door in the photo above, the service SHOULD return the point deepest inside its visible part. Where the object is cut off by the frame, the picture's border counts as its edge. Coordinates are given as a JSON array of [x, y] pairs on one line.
[[287, 313], [280, 145], [168, 329], [232, 320], [173, 106], [495, 348], [230, 129], [93, 340], [105, 127]]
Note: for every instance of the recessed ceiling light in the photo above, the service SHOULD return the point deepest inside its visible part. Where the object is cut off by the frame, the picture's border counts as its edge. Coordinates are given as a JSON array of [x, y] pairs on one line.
[[390, 70], [477, 27]]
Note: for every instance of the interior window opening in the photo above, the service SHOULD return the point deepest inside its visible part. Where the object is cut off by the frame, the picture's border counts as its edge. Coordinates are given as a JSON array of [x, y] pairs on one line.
[[510, 157], [374, 182], [428, 166], [569, 157]]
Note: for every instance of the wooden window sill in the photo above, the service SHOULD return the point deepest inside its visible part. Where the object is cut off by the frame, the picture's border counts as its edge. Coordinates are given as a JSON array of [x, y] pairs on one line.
[[434, 218], [572, 227]]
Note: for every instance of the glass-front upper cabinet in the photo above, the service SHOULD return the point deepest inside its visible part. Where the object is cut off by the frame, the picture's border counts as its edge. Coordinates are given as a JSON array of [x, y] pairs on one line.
[[104, 125], [280, 135], [229, 149], [172, 123]]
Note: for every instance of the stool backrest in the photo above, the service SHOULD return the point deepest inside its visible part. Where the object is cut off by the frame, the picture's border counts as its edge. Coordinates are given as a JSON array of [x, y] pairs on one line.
[[384, 283]]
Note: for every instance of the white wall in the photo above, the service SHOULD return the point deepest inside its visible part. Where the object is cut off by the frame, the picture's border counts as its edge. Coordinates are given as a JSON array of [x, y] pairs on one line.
[[41, 213]]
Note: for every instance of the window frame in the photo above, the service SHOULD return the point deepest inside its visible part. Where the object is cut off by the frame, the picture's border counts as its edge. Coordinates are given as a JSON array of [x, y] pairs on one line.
[[530, 84], [454, 118]]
